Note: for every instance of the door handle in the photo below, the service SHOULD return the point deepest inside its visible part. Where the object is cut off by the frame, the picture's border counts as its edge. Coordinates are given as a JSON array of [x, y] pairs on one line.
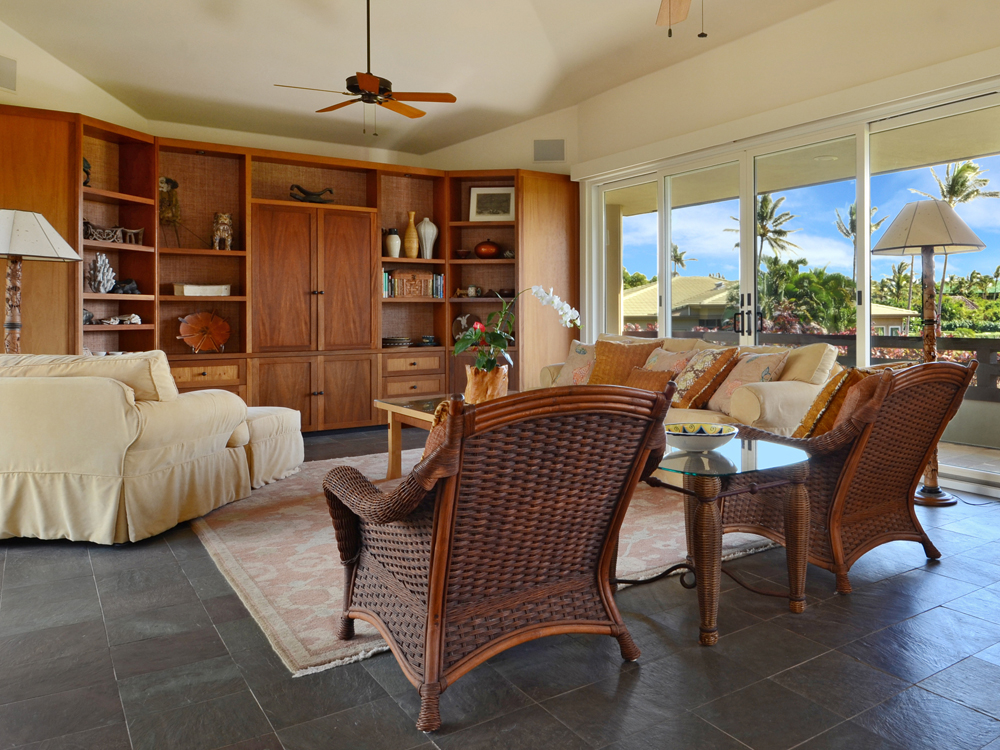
[[760, 322], [413, 387], [738, 323], [317, 393]]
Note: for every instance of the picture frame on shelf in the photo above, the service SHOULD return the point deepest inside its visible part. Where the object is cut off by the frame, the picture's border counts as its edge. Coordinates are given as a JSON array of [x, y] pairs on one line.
[[491, 204]]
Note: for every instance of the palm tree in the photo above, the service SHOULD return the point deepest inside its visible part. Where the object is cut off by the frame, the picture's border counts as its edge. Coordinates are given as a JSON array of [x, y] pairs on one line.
[[897, 281], [996, 283], [850, 229], [963, 182], [770, 225], [678, 259]]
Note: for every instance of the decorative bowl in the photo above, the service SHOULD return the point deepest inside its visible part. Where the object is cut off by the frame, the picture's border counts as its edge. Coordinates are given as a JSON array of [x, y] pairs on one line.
[[488, 250], [690, 436]]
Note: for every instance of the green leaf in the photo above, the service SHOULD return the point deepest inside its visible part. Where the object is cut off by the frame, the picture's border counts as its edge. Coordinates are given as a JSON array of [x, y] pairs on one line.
[[490, 365], [507, 357], [461, 345], [497, 339]]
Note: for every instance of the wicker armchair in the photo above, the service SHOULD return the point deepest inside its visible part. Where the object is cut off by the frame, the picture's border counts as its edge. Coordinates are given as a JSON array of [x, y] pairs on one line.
[[504, 532], [863, 473]]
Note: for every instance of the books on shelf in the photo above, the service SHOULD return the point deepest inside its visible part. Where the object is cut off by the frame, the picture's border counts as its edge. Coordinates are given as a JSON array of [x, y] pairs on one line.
[[402, 283]]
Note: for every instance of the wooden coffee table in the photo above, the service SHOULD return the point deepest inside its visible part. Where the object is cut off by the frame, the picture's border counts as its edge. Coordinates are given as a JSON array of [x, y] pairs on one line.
[[416, 412]]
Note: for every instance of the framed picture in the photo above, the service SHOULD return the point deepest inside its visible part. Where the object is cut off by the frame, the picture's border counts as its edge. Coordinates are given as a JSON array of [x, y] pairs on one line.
[[491, 204]]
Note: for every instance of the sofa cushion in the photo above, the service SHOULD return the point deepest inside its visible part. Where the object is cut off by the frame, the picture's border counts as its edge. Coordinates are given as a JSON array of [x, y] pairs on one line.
[[579, 363], [679, 345], [146, 373], [750, 368], [704, 373], [810, 364], [615, 360], [649, 380], [666, 361]]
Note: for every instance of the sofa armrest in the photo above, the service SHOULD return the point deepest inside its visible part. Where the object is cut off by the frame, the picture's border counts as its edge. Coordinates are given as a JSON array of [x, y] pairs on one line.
[[777, 407], [195, 424], [549, 374], [74, 425]]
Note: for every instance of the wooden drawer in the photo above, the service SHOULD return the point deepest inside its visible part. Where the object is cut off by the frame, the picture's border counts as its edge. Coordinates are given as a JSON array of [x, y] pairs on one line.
[[400, 387], [424, 362], [207, 374]]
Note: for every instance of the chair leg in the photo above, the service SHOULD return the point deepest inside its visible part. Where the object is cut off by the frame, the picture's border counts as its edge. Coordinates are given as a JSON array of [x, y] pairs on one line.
[[430, 714], [929, 549], [630, 652], [345, 630], [843, 582]]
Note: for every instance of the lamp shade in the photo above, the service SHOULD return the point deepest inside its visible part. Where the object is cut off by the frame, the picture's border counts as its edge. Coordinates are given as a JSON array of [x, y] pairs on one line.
[[932, 224], [29, 235]]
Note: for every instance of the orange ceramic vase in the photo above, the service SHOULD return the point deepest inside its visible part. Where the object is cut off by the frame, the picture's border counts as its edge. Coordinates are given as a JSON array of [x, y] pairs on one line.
[[411, 242], [485, 386]]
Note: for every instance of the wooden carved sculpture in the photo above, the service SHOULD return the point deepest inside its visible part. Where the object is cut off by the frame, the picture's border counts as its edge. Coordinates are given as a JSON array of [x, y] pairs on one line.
[[12, 304]]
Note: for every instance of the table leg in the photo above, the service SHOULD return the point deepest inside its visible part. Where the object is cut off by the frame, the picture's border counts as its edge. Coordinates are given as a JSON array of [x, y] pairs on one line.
[[707, 540], [690, 506], [797, 537], [395, 448]]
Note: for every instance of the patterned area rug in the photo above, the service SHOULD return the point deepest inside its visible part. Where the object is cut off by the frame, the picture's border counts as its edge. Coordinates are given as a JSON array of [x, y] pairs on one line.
[[278, 550]]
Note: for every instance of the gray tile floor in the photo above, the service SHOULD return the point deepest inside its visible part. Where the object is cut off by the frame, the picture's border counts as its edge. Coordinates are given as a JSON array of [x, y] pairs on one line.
[[146, 646]]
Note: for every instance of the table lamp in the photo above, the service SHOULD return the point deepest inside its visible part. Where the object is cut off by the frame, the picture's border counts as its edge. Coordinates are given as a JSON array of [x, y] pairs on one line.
[[25, 235], [929, 228]]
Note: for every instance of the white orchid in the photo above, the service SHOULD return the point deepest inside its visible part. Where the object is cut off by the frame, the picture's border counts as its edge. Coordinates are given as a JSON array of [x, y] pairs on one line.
[[567, 315]]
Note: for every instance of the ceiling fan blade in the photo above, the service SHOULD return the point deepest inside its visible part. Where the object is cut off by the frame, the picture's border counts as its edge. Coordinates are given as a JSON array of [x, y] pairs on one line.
[[403, 109], [368, 82], [306, 88], [672, 11], [337, 106], [422, 96]]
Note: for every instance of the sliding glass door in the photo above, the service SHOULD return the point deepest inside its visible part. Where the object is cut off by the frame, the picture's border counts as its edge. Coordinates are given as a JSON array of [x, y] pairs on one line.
[[632, 258]]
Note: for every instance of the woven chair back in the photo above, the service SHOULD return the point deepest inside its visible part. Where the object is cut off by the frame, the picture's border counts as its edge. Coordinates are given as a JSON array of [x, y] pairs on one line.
[[543, 478], [886, 463]]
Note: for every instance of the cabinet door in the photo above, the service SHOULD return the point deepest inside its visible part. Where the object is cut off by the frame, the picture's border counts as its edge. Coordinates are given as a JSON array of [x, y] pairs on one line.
[[348, 269], [348, 391], [284, 306], [289, 382]]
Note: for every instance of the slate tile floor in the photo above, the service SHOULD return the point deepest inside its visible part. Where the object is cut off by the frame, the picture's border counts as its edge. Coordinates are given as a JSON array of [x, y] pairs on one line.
[[146, 646]]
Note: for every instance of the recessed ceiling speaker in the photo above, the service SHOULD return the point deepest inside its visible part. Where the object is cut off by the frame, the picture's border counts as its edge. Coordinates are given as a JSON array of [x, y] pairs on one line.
[[554, 150], [8, 73]]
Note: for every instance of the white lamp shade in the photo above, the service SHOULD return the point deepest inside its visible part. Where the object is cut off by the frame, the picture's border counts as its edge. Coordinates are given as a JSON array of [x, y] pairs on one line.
[[30, 236], [928, 224]]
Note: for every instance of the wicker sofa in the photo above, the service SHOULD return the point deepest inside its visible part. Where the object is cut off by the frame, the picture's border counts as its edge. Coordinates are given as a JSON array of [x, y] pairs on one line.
[[776, 407]]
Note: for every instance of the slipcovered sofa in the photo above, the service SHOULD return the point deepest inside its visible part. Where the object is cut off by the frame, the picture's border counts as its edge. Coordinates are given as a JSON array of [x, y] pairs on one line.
[[105, 449], [777, 406]]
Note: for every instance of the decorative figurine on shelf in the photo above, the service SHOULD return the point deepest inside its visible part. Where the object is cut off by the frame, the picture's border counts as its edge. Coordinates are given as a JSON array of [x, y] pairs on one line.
[[411, 243], [392, 242], [508, 253], [427, 231], [308, 196], [101, 276], [86, 172], [222, 231], [96, 232], [88, 317], [170, 206], [204, 332], [124, 320], [128, 286], [132, 236]]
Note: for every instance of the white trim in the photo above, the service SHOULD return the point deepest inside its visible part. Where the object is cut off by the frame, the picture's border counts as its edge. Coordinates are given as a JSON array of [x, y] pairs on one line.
[[862, 249]]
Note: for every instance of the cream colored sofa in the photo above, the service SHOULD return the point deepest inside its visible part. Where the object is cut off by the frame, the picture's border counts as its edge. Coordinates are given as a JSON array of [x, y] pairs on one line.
[[777, 406], [107, 450]]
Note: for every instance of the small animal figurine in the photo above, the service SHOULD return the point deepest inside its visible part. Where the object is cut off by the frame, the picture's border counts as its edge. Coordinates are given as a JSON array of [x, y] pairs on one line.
[[308, 196], [222, 231]]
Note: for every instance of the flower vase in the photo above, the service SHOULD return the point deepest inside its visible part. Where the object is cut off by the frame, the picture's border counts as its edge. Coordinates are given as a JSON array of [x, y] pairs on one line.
[[411, 243], [392, 243], [485, 386], [427, 231]]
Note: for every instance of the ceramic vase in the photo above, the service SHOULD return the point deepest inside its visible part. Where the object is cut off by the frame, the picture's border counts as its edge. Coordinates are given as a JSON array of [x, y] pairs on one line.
[[485, 386], [411, 243], [427, 231], [392, 243]]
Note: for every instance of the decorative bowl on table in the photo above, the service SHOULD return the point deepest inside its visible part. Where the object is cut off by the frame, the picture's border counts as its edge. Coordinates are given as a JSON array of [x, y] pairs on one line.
[[689, 436]]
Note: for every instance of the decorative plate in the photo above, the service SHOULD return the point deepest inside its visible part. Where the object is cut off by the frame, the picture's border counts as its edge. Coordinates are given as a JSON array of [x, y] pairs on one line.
[[204, 332], [463, 323], [698, 436]]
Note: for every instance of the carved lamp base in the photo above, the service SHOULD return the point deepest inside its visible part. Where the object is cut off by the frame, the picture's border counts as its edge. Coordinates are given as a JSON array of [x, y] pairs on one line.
[[12, 300], [933, 497]]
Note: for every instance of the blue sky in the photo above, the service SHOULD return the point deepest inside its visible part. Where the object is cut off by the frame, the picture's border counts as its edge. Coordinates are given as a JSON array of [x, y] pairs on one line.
[[699, 230]]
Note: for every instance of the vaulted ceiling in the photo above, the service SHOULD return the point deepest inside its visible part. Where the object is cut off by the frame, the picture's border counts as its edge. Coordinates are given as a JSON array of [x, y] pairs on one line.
[[214, 62]]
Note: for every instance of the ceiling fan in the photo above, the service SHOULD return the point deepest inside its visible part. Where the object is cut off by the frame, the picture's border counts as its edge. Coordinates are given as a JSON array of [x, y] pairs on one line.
[[372, 89], [671, 12]]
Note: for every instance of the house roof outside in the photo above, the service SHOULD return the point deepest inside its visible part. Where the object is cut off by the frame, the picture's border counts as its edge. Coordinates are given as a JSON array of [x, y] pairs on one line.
[[686, 291], [888, 311]]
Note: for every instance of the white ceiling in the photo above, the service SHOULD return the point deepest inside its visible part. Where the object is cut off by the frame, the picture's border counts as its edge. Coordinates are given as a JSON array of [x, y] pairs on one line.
[[213, 62]]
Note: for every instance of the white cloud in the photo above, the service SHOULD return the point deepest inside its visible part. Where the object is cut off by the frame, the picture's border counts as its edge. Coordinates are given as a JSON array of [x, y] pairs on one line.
[[639, 230], [838, 254]]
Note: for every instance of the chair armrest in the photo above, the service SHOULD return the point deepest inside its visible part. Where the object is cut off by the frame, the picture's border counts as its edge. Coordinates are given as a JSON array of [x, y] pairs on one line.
[[66, 425], [203, 421], [828, 442], [549, 374], [776, 407]]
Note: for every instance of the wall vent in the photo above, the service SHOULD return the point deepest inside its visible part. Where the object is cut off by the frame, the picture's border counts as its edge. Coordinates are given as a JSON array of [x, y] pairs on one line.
[[554, 150], [8, 73]]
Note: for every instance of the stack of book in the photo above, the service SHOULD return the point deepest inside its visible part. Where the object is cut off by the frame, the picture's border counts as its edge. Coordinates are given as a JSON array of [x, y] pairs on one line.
[[400, 283]]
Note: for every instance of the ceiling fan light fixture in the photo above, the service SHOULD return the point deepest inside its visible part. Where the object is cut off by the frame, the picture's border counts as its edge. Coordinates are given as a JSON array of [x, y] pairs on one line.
[[703, 35]]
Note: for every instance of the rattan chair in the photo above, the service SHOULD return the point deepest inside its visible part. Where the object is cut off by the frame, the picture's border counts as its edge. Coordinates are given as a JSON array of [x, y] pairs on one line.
[[504, 532], [863, 473]]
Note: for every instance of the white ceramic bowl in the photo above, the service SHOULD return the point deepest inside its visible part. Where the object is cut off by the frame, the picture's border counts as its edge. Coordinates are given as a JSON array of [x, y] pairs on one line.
[[697, 436]]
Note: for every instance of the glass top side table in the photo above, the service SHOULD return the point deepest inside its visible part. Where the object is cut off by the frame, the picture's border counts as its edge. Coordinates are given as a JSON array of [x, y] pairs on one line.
[[743, 466]]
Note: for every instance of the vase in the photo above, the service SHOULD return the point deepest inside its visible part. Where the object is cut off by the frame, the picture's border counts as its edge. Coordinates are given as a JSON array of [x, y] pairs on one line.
[[485, 386], [392, 243], [427, 231], [488, 250], [411, 243]]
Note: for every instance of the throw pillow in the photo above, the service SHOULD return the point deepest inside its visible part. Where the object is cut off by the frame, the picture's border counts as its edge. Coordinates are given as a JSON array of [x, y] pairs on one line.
[[616, 359], [649, 380], [702, 376], [750, 368], [579, 363], [679, 345], [661, 360], [810, 364]]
